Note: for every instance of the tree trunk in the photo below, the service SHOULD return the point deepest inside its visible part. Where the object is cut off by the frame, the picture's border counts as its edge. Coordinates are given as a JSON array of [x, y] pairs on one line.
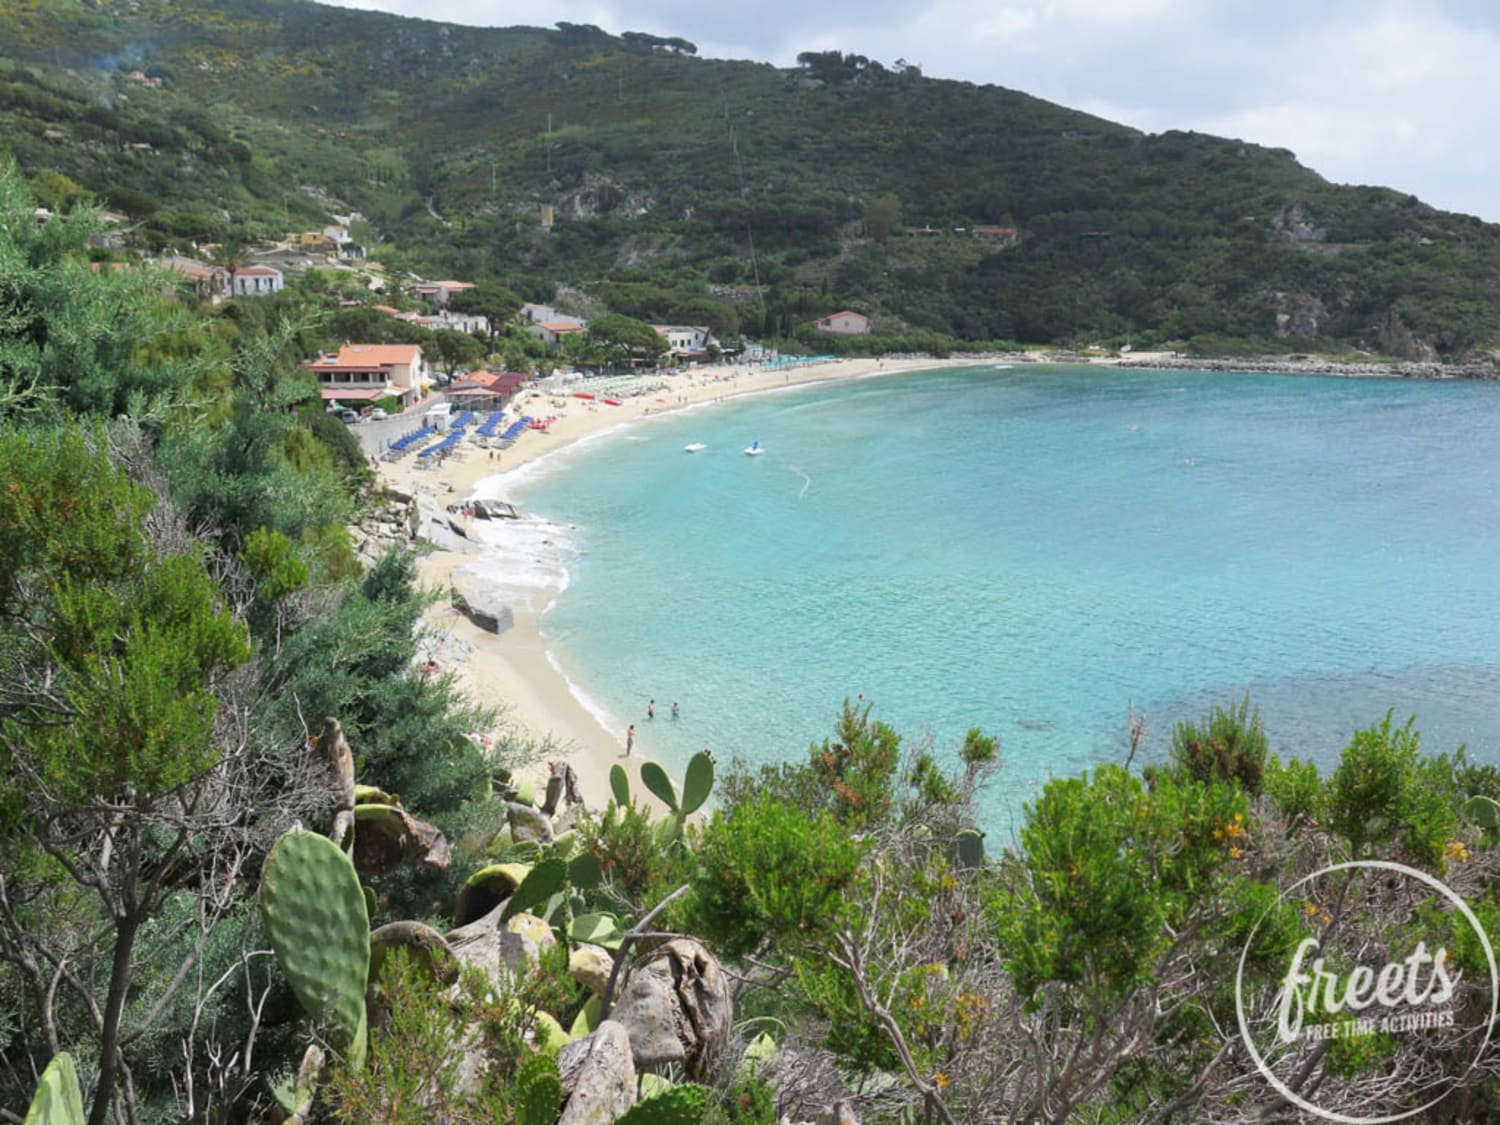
[[114, 1008]]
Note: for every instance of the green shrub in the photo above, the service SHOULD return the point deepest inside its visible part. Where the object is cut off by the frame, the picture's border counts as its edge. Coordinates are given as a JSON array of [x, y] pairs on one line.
[[1230, 746], [769, 873]]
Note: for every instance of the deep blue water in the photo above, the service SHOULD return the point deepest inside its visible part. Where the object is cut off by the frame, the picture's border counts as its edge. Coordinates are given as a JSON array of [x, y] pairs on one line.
[[1031, 551]]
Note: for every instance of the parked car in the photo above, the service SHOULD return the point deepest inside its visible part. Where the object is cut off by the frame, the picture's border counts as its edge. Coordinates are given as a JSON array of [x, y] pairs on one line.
[[347, 415], [378, 414]]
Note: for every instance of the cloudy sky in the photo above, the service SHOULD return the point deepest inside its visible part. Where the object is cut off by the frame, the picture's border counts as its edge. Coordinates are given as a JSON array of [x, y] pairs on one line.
[[1392, 92]]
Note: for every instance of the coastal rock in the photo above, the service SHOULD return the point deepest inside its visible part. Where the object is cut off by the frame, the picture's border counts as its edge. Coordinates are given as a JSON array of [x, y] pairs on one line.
[[1295, 224], [480, 601], [1298, 314], [527, 825], [590, 966], [598, 1076], [522, 941], [554, 794], [676, 1006], [488, 509], [477, 945]]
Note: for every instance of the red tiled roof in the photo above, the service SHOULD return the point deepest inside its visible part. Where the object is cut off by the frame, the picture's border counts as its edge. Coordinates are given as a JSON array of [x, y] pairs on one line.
[[561, 326], [478, 379], [256, 271], [845, 312], [362, 394], [362, 355]]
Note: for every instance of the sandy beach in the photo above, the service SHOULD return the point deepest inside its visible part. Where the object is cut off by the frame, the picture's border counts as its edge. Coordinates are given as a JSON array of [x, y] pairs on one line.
[[511, 669]]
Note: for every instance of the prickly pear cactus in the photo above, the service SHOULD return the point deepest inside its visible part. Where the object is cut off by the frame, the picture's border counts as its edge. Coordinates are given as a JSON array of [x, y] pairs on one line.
[[1483, 811], [57, 1100], [314, 910], [541, 883], [968, 849], [619, 784], [538, 1091], [681, 1105], [654, 778], [697, 782]]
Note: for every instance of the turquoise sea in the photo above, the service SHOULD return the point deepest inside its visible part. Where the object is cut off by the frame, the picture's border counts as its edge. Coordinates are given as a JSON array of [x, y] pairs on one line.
[[1031, 551]]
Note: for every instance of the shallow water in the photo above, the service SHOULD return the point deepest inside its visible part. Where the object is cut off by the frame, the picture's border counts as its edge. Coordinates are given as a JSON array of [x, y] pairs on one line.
[[1030, 551]]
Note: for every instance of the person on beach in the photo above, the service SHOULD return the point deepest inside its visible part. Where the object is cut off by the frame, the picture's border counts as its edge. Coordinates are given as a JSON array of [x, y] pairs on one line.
[[651, 710], [630, 740], [676, 711]]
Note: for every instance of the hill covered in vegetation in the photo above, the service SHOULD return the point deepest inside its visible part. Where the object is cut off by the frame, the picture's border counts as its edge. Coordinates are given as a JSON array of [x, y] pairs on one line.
[[734, 193]]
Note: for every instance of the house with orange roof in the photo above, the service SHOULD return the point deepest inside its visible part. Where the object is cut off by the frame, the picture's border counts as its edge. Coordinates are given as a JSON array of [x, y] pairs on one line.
[[366, 372], [997, 234]]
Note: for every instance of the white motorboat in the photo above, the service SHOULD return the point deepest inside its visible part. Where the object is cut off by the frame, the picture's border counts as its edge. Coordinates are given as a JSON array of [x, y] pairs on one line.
[[694, 447], [755, 450]]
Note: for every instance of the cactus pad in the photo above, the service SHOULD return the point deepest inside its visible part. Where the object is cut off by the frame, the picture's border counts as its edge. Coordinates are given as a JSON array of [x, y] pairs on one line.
[[968, 849], [57, 1100], [1483, 811], [654, 778], [545, 880], [585, 872], [596, 929], [538, 1091], [697, 782], [681, 1105], [619, 784], [314, 911]]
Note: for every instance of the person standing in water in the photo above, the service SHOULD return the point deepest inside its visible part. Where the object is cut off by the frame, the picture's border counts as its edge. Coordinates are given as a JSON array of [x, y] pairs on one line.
[[676, 711], [651, 710], [630, 740]]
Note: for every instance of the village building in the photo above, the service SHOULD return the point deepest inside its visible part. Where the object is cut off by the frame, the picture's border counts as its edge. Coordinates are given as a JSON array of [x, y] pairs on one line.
[[362, 373], [207, 281], [256, 281], [554, 332], [688, 343], [845, 322], [487, 389], [546, 314], [438, 292], [997, 234]]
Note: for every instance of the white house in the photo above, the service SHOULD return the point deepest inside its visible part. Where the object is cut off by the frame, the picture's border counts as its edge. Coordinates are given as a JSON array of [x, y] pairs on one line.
[[546, 314], [438, 292], [846, 322], [553, 332], [256, 281], [687, 341]]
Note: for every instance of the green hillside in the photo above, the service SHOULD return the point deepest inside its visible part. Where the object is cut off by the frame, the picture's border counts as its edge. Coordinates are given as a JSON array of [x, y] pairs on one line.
[[735, 192]]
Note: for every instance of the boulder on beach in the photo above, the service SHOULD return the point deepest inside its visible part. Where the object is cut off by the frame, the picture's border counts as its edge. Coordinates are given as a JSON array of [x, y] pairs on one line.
[[482, 602]]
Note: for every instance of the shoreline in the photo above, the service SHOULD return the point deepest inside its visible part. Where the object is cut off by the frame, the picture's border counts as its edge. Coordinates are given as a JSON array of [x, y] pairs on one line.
[[513, 669]]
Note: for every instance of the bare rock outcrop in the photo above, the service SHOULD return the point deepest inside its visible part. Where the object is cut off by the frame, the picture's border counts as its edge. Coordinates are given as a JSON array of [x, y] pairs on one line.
[[598, 1076], [675, 1005]]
